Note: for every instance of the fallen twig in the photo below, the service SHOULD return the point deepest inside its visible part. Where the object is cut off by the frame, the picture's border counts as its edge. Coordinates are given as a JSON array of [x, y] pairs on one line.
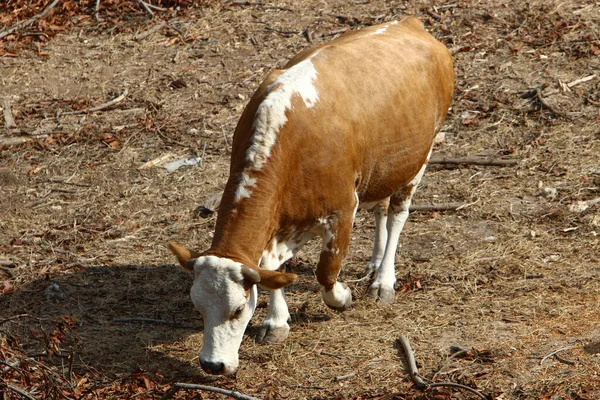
[[149, 31], [17, 389], [578, 81], [535, 96], [157, 161], [157, 321], [419, 382], [177, 386], [257, 4], [554, 353], [9, 120], [29, 21], [344, 377], [97, 11], [64, 182], [411, 363], [106, 105], [473, 161], [438, 207], [20, 140], [211, 205], [545, 104], [145, 6]]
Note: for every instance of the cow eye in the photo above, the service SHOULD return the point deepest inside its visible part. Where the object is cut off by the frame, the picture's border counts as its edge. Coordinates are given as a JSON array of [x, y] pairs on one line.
[[238, 312]]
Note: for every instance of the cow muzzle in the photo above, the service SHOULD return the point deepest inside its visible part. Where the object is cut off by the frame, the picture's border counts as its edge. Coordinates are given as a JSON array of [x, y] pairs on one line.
[[217, 368]]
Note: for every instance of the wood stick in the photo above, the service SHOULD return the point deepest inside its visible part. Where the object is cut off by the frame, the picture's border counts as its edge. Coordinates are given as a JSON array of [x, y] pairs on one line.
[[554, 353], [545, 104], [419, 382], [473, 161], [149, 31], [578, 81], [438, 207], [344, 377], [20, 140], [64, 182], [114, 101], [157, 161], [17, 389], [157, 321], [145, 7], [411, 363], [9, 120], [29, 21], [211, 205], [230, 393], [459, 386], [97, 11]]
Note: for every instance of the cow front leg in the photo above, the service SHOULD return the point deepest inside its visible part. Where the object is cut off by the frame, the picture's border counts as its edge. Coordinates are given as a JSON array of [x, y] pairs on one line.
[[336, 239], [275, 327], [382, 288]]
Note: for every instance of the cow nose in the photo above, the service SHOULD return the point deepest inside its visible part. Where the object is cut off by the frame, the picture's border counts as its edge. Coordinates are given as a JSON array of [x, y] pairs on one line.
[[214, 368]]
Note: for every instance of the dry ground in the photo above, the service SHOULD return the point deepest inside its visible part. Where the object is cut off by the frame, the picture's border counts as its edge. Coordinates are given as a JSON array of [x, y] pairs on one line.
[[512, 277]]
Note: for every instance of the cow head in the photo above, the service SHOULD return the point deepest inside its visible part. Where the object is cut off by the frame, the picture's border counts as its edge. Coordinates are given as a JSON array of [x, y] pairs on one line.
[[224, 291]]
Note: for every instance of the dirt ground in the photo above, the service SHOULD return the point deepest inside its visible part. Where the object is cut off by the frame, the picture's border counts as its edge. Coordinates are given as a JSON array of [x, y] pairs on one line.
[[512, 278]]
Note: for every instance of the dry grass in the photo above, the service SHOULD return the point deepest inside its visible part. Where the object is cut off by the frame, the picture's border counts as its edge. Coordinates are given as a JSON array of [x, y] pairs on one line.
[[513, 277]]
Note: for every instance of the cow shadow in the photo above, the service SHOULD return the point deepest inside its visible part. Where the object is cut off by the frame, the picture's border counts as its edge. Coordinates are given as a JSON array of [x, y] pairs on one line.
[[118, 319], [94, 313]]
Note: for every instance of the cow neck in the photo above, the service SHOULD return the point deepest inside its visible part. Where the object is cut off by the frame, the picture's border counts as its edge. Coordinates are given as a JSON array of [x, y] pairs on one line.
[[245, 227]]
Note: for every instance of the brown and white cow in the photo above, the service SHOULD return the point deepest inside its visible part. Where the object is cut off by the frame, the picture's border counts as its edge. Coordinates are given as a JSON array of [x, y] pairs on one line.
[[345, 125]]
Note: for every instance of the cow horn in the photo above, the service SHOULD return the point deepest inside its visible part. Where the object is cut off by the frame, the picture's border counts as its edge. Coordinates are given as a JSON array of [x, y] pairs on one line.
[[250, 274]]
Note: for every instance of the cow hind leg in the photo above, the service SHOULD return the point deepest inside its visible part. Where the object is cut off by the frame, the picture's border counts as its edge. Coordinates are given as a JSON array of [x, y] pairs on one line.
[[380, 212], [382, 288]]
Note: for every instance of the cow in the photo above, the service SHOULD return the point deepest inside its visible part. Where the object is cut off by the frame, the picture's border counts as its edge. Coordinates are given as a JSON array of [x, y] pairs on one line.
[[347, 124]]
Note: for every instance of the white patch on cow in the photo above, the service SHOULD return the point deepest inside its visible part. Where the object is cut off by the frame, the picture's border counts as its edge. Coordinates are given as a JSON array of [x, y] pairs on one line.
[[217, 293], [339, 296], [245, 187], [381, 30], [367, 205], [282, 249], [271, 116]]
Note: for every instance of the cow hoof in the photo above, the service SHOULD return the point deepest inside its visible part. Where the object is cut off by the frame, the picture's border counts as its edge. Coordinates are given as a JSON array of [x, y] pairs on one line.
[[382, 293], [339, 298], [273, 334]]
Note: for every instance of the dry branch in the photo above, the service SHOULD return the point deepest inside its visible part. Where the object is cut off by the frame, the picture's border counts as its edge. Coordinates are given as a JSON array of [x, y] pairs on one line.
[[438, 207], [473, 161], [578, 81], [9, 120], [18, 390], [29, 21], [101, 107], [177, 386], [211, 205], [411, 363], [156, 321], [150, 31], [11, 141], [419, 382], [97, 11]]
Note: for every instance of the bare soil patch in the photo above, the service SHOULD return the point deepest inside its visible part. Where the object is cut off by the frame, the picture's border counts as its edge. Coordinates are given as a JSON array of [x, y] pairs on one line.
[[511, 278]]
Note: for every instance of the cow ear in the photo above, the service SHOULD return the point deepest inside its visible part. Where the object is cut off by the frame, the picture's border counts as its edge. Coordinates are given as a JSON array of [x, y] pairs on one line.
[[272, 280], [185, 257]]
